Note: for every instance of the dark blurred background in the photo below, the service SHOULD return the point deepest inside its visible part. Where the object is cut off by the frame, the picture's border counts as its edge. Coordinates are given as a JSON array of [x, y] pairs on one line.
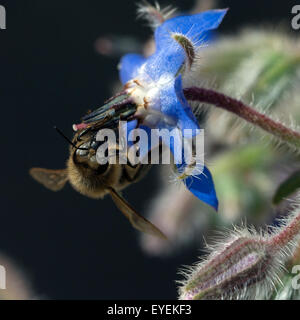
[[71, 247]]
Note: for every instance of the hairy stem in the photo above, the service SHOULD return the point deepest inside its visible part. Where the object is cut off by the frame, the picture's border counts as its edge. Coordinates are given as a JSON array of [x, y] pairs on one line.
[[241, 110], [289, 234]]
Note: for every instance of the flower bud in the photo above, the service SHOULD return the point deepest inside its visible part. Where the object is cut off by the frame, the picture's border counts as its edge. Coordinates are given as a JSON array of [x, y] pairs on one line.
[[246, 266], [231, 271]]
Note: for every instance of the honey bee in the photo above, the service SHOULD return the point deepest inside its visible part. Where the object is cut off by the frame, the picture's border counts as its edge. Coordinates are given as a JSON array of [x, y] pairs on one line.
[[94, 180]]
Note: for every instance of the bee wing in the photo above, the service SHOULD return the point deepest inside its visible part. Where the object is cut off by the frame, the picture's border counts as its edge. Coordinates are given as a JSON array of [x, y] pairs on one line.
[[51, 179], [136, 220]]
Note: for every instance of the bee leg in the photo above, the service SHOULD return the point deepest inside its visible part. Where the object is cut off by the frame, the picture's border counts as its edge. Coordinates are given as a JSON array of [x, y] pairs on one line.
[[136, 220]]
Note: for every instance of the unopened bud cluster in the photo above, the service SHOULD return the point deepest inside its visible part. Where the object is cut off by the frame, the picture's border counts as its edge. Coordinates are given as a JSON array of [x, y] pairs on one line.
[[245, 266]]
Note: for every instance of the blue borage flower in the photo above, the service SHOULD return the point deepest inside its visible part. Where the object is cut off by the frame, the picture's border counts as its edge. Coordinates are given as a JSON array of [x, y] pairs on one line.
[[155, 85]]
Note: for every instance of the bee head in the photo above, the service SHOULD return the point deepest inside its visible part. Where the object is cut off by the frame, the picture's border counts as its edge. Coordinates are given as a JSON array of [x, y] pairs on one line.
[[85, 173]]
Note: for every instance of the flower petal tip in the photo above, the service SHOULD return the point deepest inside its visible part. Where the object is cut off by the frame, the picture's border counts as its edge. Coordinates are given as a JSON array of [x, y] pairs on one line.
[[203, 188]]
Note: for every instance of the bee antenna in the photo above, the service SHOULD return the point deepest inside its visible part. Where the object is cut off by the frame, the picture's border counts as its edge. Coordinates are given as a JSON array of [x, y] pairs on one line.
[[68, 140]]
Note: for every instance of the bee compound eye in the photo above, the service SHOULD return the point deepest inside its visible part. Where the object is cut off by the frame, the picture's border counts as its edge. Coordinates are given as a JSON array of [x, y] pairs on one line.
[[95, 145], [82, 152]]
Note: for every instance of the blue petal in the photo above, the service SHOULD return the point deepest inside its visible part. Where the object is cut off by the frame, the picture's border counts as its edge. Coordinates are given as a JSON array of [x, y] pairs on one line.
[[192, 26], [187, 119], [174, 105], [169, 55], [210, 36], [166, 61], [203, 188], [144, 148], [129, 66], [175, 144], [201, 185]]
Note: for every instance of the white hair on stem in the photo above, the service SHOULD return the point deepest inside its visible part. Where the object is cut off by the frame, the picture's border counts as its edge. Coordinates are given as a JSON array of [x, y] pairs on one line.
[[243, 263]]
